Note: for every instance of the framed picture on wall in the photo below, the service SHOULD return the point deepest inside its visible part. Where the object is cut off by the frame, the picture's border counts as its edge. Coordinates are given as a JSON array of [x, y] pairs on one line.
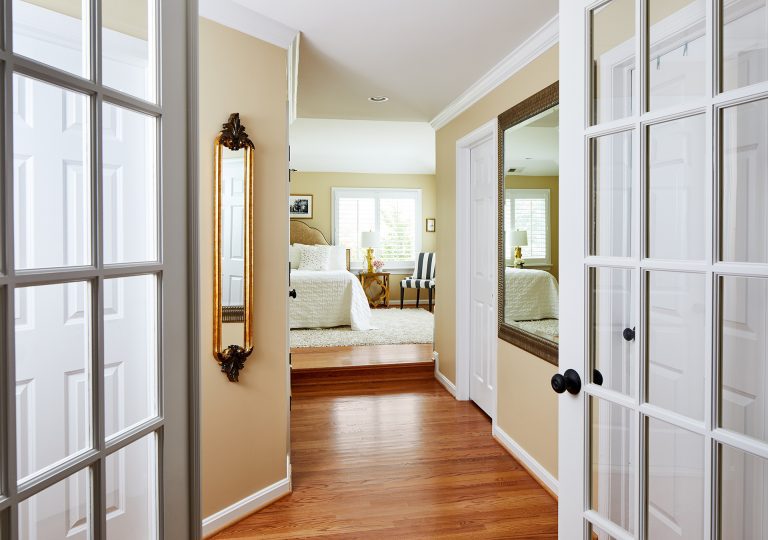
[[300, 206], [430, 224]]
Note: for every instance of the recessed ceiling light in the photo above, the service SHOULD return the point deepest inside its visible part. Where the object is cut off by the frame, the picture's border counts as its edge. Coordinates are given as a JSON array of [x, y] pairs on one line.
[[378, 99]]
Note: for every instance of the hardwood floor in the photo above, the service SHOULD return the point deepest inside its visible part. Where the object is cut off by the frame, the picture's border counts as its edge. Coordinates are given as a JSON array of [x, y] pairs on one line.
[[399, 459], [332, 357]]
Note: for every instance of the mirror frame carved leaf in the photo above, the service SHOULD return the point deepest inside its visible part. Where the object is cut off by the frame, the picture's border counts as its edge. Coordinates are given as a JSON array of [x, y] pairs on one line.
[[232, 357]]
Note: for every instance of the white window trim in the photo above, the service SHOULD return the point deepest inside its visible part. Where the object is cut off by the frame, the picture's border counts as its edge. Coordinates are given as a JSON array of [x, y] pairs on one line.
[[542, 193], [405, 267]]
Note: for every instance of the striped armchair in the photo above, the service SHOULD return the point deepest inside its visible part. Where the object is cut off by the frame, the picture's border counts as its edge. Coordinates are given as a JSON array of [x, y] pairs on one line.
[[423, 278]]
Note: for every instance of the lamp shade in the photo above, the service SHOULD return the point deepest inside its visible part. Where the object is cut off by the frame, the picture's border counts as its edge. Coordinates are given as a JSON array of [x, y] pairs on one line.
[[518, 238], [370, 239]]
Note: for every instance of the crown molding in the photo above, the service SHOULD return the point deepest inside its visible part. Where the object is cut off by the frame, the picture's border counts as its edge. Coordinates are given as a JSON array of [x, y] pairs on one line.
[[541, 40], [235, 15]]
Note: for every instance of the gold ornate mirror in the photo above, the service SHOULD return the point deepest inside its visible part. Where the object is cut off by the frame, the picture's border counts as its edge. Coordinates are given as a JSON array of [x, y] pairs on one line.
[[232, 247]]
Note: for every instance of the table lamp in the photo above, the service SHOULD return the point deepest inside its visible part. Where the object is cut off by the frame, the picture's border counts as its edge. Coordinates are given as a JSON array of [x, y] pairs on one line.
[[370, 240], [518, 239]]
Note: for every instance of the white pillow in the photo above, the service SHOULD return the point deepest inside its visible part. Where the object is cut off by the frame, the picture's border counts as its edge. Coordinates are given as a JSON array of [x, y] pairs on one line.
[[294, 255], [338, 258], [315, 257]]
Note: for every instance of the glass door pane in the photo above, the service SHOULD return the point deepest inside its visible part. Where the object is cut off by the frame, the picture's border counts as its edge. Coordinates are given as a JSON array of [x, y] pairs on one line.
[[130, 186], [744, 356], [611, 198], [745, 43], [132, 499], [613, 60], [675, 482], [744, 189], [129, 42], [677, 188], [52, 179], [54, 33], [677, 55], [743, 494], [612, 344], [676, 342], [53, 389], [60, 511], [131, 347], [612, 462]]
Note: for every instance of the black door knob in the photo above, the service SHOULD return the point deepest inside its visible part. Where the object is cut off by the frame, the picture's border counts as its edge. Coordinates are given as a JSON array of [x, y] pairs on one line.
[[597, 377], [569, 380], [292, 293], [628, 334]]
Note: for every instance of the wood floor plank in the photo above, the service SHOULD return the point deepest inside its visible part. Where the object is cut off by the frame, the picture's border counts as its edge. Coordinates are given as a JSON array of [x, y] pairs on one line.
[[399, 459], [333, 357]]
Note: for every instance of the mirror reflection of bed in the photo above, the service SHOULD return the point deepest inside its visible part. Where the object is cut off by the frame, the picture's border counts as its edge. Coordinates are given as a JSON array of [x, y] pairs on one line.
[[530, 225], [335, 333]]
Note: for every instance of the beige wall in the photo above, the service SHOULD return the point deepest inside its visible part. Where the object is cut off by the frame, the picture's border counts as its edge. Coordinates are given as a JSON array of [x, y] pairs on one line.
[[124, 16], [319, 185], [552, 183], [245, 424], [527, 408]]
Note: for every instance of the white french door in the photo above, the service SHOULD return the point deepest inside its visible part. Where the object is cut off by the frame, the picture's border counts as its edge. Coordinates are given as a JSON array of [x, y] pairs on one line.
[[97, 413], [664, 287]]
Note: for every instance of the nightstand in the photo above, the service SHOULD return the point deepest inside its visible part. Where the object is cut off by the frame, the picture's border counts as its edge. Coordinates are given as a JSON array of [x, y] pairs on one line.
[[376, 287]]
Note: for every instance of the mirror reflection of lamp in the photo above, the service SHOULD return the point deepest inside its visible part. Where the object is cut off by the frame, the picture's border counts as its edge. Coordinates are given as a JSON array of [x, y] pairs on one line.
[[518, 239], [370, 240]]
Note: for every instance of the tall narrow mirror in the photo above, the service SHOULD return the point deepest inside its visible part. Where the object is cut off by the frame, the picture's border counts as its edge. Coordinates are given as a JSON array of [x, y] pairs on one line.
[[233, 161], [528, 225]]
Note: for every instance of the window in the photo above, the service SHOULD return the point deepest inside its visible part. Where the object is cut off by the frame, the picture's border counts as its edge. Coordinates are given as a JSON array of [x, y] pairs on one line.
[[528, 210], [394, 213]]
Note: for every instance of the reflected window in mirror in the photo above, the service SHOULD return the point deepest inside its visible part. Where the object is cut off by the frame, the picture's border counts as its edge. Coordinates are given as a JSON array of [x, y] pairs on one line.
[[528, 254]]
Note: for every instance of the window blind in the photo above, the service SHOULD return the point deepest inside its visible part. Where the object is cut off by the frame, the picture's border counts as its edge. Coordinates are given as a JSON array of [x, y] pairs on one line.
[[528, 210], [394, 213]]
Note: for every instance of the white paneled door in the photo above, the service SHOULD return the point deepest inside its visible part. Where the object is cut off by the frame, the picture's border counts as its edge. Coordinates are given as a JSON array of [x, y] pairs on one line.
[[664, 274], [482, 265], [95, 281]]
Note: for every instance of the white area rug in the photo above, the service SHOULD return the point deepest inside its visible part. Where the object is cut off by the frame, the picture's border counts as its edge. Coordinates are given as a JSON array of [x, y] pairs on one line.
[[390, 326]]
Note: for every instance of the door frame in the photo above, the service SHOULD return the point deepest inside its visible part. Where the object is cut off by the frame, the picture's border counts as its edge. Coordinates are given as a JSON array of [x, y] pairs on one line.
[[487, 131], [193, 263]]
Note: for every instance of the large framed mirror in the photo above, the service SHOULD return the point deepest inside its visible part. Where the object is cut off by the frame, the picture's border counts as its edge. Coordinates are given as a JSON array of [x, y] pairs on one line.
[[233, 249], [528, 224]]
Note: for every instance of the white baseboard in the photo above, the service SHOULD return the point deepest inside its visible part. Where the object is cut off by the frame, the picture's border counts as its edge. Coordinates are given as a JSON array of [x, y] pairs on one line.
[[542, 475], [445, 381], [234, 513]]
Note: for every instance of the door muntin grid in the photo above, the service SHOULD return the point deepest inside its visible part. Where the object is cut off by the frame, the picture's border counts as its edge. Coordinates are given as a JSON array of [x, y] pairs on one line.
[[92, 460], [715, 428]]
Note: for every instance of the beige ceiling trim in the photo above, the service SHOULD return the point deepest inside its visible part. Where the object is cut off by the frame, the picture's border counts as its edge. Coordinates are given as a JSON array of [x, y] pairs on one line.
[[544, 38], [238, 17]]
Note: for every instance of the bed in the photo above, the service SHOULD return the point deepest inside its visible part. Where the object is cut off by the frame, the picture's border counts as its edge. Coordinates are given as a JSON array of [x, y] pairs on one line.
[[530, 295], [325, 298]]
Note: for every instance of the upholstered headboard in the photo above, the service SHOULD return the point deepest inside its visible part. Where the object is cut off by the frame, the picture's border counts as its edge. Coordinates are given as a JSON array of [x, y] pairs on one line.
[[301, 233]]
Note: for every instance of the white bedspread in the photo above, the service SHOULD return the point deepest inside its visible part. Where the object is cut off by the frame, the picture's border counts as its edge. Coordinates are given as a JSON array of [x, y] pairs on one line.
[[530, 295], [328, 298]]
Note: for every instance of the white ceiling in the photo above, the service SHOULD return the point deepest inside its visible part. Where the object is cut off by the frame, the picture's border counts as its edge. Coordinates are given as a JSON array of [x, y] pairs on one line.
[[421, 54], [362, 146], [532, 146]]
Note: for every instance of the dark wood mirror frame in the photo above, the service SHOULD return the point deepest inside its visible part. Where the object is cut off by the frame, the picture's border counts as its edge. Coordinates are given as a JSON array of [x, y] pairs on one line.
[[537, 103]]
